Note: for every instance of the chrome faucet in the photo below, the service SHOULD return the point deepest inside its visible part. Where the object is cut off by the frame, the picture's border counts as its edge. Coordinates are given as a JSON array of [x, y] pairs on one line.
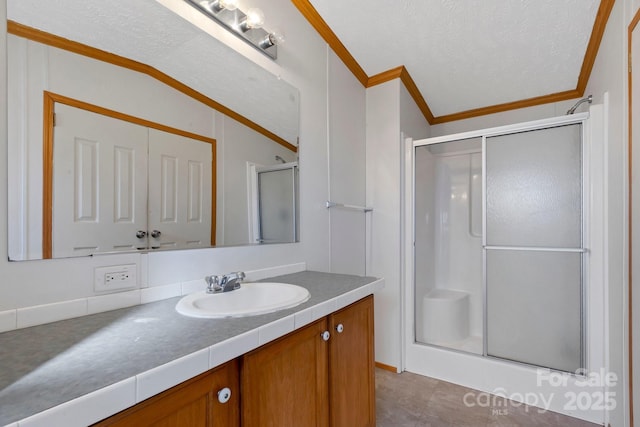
[[224, 283]]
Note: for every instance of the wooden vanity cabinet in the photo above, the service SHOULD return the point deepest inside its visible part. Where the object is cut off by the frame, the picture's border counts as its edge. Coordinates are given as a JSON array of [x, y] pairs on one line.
[[193, 403], [352, 366], [285, 383], [320, 375], [304, 380]]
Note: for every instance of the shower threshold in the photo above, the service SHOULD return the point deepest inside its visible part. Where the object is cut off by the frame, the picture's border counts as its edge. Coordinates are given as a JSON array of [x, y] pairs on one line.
[[471, 344]]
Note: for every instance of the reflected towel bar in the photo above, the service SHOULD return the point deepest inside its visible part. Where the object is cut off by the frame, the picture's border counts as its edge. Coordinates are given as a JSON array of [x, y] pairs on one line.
[[535, 249], [350, 207]]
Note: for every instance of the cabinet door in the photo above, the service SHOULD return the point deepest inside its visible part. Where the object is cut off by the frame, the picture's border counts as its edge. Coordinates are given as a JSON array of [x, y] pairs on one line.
[[284, 383], [193, 403], [351, 366]]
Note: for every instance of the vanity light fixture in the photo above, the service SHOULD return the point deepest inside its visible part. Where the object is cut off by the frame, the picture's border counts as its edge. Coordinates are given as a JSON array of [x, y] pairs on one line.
[[247, 26]]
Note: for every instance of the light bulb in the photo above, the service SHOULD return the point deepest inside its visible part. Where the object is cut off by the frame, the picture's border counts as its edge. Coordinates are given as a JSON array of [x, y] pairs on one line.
[[255, 18], [276, 37]]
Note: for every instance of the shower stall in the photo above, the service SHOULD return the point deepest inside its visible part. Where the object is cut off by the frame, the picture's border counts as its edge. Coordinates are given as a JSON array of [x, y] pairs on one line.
[[499, 243]]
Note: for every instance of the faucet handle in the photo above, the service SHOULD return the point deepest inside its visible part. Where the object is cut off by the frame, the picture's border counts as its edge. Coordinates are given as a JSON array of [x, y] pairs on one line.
[[235, 279], [213, 283]]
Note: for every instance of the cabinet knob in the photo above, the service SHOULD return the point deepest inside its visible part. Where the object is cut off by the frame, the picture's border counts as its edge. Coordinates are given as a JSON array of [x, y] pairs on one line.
[[325, 335], [141, 234], [155, 234], [224, 395], [340, 328]]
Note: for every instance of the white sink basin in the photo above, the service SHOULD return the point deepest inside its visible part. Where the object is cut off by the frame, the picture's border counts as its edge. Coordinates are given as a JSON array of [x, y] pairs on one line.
[[250, 300]]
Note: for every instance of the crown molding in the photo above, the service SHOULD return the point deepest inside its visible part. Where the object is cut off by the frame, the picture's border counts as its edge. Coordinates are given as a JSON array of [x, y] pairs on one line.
[[49, 39], [600, 23], [319, 24]]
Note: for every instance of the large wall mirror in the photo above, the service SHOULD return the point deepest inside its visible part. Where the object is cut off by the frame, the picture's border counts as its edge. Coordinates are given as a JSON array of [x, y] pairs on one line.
[[131, 129]]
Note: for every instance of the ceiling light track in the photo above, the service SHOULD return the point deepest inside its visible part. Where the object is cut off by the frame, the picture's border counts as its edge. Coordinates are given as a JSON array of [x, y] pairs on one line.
[[247, 26]]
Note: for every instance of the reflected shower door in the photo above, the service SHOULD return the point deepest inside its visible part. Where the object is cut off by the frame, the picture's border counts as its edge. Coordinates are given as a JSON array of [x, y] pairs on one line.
[[534, 247], [277, 200]]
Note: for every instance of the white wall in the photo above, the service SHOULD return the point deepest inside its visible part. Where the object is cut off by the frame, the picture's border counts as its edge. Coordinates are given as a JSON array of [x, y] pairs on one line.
[[347, 173], [303, 63], [390, 112], [635, 208], [383, 195], [609, 77], [412, 121]]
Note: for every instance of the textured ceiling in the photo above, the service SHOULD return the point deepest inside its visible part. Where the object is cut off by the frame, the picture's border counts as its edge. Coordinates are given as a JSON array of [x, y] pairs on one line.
[[467, 54], [146, 31]]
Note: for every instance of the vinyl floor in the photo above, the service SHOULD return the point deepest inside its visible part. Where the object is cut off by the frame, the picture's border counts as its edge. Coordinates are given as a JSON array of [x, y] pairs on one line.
[[410, 400]]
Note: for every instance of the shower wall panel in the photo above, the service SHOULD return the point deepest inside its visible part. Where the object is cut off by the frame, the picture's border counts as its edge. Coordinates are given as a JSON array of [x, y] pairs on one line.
[[459, 252]]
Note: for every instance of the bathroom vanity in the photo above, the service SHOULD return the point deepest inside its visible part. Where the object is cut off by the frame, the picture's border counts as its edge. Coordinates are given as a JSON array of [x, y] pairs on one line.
[[148, 364], [322, 374]]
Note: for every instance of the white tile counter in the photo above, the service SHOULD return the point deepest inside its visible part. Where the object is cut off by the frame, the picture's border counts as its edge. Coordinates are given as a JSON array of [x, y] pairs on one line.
[[76, 372]]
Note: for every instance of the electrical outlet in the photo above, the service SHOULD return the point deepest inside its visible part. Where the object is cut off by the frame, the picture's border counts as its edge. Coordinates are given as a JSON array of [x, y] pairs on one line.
[[115, 278]]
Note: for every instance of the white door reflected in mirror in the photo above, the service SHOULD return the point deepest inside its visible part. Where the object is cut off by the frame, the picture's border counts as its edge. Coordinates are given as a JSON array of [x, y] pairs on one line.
[[106, 174], [180, 209], [99, 195]]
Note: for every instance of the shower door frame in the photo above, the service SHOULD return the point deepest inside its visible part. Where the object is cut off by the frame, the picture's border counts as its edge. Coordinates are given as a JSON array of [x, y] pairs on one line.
[[486, 372]]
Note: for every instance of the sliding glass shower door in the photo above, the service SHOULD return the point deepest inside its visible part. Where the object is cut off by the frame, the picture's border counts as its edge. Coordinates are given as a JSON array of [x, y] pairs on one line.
[[499, 258], [533, 247]]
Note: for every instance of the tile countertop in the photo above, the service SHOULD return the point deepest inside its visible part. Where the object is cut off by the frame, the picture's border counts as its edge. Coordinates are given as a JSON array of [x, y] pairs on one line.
[[79, 371]]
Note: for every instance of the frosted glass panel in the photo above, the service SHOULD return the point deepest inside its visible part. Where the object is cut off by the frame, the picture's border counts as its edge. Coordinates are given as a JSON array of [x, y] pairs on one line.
[[534, 307], [534, 188], [276, 197], [448, 245]]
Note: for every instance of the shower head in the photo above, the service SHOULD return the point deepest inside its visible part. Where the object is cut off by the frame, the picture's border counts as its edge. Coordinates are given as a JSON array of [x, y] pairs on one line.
[[572, 110], [280, 159]]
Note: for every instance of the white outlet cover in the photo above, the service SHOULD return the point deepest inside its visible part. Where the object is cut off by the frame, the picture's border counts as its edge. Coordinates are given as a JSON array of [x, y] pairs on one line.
[[101, 285]]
